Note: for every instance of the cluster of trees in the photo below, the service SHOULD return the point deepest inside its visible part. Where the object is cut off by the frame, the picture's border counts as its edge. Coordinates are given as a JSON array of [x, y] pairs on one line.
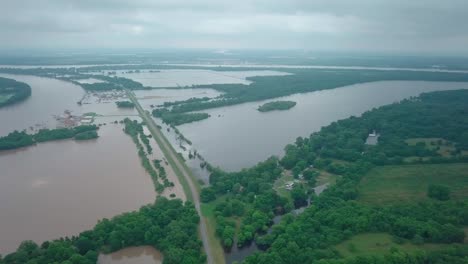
[[249, 197], [87, 135], [135, 131], [439, 192], [335, 215], [276, 105], [301, 81], [424, 117], [456, 254], [190, 100], [12, 91], [43, 72], [17, 139], [176, 119], [168, 225], [162, 173], [125, 104], [111, 83], [80, 132]]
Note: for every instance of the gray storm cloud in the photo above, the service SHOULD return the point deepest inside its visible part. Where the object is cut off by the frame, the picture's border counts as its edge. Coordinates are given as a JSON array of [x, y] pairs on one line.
[[372, 25]]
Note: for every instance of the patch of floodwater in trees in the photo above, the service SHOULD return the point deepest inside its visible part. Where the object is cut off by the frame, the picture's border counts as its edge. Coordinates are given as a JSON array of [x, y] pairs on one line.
[[61, 188], [155, 97], [180, 78], [49, 97], [330, 67], [89, 80], [239, 136], [181, 146], [132, 255], [239, 254], [103, 103], [177, 189]]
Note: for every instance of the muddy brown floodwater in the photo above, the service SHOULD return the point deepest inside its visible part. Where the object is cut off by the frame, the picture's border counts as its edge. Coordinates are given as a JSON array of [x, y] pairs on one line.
[[62, 188], [132, 255]]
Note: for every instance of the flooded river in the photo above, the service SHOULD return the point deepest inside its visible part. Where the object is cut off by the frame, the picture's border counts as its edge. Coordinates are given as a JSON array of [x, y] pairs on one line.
[[62, 188], [239, 136], [49, 97]]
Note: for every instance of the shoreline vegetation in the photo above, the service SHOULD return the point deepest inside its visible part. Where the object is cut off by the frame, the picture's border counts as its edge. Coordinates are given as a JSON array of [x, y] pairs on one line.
[[21, 139], [135, 131], [244, 203], [125, 104], [12, 91], [176, 119], [276, 105], [170, 226]]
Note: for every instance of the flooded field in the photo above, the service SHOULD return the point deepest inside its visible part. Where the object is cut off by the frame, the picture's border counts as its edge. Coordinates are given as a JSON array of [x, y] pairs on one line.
[[157, 97], [239, 136], [132, 255], [181, 78], [62, 188], [171, 176], [89, 80]]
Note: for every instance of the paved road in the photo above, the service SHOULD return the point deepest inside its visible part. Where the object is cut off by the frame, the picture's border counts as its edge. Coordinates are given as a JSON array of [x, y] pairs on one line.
[[156, 132]]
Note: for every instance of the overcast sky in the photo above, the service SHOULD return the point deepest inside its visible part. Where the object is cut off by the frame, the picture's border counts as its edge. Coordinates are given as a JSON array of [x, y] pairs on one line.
[[437, 26]]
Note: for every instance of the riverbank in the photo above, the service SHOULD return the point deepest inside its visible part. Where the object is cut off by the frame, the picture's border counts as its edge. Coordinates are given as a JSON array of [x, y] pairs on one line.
[[191, 188]]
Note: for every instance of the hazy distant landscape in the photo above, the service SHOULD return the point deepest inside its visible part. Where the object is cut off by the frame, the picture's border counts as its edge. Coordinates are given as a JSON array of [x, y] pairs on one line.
[[146, 132]]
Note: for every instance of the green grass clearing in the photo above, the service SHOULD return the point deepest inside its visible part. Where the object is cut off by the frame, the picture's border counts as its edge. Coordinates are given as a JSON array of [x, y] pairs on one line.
[[390, 184], [380, 244], [207, 210], [445, 147], [326, 177], [279, 185]]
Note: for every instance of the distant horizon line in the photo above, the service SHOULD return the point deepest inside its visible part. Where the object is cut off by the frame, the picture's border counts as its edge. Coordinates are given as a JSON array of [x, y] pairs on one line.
[[24, 52]]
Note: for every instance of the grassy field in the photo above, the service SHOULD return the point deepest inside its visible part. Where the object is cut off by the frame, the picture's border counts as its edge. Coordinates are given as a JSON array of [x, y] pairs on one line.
[[280, 188], [279, 185], [207, 210], [379, 244], [389, 184], [445, 146], [326, 177]]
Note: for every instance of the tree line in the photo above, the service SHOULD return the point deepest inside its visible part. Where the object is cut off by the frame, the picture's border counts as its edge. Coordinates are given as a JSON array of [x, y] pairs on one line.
[[302, 81], [135, 131], [12, 91], [168, 225], [21, 139], [276, 105], [176, 119]]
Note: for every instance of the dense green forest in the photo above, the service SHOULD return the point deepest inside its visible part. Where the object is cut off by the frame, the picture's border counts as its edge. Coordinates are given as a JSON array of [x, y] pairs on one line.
[[18, 139], [168, 225], [249, 197], [301, 81], [276, 105], [176, 119], [125, 104], [12, 91]]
